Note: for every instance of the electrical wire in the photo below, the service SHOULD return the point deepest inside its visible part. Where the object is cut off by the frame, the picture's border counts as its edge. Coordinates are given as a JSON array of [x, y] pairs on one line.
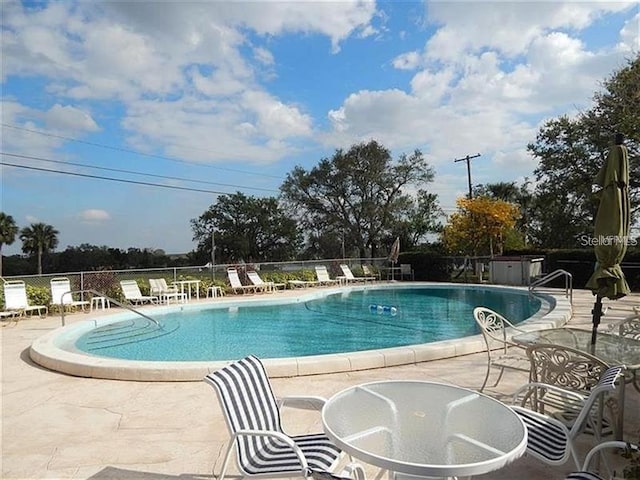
[[121, 149], [41, 159], [135, 182]]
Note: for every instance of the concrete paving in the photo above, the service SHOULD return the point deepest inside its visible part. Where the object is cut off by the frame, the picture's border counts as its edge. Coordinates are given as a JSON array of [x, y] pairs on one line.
[[59, 426]]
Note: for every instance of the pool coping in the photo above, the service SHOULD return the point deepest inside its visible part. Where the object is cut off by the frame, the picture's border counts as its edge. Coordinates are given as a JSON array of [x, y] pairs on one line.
[[46, 352]]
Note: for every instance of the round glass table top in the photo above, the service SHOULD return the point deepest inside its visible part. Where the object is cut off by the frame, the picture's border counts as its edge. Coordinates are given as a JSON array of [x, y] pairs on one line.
[[424, 428]]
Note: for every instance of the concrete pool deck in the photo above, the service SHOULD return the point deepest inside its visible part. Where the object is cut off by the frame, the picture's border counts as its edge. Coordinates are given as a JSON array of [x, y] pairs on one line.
[[59, 426]]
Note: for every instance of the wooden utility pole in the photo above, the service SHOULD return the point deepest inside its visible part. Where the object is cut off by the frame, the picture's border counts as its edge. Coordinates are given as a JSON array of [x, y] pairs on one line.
[[468, 160]]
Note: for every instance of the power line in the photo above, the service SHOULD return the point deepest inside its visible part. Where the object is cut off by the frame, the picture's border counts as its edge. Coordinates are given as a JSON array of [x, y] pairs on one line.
[[133, 172], [122, 180], [125, 150]]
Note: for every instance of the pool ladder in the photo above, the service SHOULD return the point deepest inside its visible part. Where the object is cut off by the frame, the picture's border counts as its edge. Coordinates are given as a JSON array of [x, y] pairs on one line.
[[112, 300], [568, 282]]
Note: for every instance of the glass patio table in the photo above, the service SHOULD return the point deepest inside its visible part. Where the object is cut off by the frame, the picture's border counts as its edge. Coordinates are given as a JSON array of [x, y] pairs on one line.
[[611, 349], [424, 428]]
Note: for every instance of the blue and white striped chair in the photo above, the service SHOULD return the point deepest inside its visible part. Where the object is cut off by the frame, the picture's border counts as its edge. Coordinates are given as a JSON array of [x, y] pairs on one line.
[[549, 439], [252, 414]]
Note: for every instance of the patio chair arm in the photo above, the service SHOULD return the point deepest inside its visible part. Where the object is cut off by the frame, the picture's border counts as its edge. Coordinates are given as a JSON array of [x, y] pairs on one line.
[[605, 445], [302, 402]]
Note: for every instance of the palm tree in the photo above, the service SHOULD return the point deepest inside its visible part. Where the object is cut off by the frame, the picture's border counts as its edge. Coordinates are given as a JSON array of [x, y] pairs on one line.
[[37, 239], [8, 232]]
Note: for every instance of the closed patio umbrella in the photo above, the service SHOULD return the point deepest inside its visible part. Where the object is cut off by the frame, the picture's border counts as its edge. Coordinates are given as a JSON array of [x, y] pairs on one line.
[[611, 231]]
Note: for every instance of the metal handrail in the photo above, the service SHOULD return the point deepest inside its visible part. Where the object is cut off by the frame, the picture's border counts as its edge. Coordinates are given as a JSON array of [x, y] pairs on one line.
[[112, 300], [568, 282]]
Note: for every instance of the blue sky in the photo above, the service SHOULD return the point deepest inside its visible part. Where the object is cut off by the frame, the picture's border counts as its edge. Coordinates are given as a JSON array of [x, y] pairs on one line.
[[231, 95]]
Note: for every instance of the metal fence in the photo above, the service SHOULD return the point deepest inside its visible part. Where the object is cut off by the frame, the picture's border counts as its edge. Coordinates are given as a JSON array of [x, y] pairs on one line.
[[108, 281]]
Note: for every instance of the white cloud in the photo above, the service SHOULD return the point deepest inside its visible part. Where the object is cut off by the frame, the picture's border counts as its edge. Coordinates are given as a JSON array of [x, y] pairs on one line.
[[94, 215], [69, 118]]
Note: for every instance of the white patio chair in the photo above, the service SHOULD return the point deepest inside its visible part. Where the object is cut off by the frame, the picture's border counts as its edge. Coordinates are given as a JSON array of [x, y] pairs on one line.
[[549, 439], [158, 287], [350, 277], [256, 280], [568, 369], [629, 327], [132, 293], [586, 473], [236, 284], [323, 276], [61, 296], [16, 301], [501, 352], [253, 417], [406, 271]]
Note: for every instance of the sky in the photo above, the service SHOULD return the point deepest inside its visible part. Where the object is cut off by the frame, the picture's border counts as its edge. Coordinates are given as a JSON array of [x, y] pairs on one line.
[[124, 120]]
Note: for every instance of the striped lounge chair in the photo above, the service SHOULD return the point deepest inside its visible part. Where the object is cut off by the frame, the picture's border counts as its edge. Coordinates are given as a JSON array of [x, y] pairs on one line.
[[549, 439], [252, 414]]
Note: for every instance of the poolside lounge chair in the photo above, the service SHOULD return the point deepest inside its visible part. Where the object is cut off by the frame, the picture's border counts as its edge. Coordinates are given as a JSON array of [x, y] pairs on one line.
[[16, 301], [323, 276], [253, 417], [61, 296], [132, 293], [350, 277], [254, 278], [165, 293], [510, 356], [549, 439], [236, 284], [367, 271]]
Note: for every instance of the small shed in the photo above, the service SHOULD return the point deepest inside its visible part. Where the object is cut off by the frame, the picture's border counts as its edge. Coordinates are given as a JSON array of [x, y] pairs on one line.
[[516, 270]]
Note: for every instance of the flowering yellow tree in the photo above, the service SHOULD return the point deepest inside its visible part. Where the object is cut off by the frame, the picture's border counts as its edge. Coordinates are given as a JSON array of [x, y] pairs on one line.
[[480, 226]]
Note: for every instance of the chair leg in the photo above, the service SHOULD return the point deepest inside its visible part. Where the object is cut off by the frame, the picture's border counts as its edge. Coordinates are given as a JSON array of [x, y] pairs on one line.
[[486, 376], [499, 378], [225, 463]]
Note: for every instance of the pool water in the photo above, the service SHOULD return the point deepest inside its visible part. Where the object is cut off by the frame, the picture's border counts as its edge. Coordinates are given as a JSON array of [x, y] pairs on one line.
[[349, 321]]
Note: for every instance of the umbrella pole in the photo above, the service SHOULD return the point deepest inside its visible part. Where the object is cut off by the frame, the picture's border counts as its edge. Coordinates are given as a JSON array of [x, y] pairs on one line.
[[597, 315]]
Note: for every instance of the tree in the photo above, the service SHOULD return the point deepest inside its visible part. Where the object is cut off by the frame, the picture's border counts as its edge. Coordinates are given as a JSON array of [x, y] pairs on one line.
[[359, 196], [571, 151], [480, 226], [246, 229], [38, 239], [512, 193], [8, 232]]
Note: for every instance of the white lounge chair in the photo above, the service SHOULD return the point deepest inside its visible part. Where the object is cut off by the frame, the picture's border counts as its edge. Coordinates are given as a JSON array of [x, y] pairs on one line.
[[132, 293], [510, 356], [370, 273], [253, 417], [158, 287], [351, 278], [61, 296], [254, 278], [16, 301], [236, 284], [323, 276], [549, 439]]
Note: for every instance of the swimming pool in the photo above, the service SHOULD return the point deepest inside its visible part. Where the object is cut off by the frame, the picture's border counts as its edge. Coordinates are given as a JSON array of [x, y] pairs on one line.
[[331, 329]]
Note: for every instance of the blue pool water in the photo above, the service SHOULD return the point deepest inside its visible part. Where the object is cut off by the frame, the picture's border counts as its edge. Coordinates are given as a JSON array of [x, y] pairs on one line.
[[342, 322]]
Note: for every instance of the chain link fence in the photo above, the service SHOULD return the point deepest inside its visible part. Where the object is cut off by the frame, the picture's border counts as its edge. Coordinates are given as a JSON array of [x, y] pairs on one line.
[[107, 282]]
